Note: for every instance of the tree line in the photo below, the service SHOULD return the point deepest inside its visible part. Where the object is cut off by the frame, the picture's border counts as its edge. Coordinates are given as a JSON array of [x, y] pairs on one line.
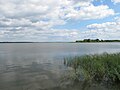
[[97, 40]]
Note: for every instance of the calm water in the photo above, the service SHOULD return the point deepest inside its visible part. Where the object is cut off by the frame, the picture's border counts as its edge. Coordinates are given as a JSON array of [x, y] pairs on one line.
[[39, 66]]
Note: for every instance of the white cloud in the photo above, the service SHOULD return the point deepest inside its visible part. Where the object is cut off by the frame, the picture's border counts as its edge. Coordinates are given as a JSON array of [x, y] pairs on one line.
[[109, 30], [90, 12], [52, 9], [106, 26], [40, 35], [35, 19], [49, 13], [116, 1], [6, 22]]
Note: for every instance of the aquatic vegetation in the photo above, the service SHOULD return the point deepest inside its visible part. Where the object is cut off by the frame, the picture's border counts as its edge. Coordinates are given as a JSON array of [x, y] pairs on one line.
[[95, 68]]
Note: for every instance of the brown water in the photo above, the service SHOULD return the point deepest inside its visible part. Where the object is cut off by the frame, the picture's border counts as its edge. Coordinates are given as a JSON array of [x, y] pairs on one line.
[[39, 66]]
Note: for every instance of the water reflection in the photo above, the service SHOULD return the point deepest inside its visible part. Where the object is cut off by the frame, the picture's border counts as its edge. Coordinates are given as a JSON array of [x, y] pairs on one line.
[[37, 76], [30, 77], [39, 66]]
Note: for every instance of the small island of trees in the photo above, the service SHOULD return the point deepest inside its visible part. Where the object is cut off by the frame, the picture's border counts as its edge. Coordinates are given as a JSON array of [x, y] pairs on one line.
[[97, 40]]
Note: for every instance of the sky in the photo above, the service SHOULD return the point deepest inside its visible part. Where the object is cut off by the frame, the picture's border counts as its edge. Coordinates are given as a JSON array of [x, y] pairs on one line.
[[59, 20]]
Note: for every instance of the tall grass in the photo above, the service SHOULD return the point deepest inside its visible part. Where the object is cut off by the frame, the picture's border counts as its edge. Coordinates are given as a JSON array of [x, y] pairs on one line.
[[101, 68]]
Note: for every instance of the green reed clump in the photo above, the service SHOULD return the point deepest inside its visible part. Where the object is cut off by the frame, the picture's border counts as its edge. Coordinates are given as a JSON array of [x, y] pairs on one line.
[[101, 68]]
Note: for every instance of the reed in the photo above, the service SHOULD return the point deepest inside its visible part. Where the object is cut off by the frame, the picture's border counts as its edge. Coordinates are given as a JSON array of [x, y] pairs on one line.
[[101, 68]]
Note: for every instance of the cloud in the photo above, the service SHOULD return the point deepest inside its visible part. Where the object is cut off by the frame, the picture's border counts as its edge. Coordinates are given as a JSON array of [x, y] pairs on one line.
[[35, 19], [6, 22], [107, 30], [27, 34], [90, 12], [50, 13], [82, 1], [116, 1], [52, 9]]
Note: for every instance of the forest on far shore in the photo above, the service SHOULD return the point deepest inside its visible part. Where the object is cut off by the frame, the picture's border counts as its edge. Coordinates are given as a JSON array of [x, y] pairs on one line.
[[97, 40]]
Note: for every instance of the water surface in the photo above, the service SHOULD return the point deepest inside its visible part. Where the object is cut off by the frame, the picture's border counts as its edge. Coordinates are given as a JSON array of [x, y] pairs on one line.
[[39, 66]]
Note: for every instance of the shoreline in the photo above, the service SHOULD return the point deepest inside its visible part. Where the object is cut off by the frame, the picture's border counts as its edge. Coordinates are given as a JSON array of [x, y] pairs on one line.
[[59, 42]]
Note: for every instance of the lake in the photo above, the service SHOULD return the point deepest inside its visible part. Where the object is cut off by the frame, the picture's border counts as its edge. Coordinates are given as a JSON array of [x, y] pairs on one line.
[[39, 66]]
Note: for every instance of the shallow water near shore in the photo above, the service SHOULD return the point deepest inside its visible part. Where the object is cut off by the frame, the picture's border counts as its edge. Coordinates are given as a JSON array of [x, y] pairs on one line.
[[39, 66]]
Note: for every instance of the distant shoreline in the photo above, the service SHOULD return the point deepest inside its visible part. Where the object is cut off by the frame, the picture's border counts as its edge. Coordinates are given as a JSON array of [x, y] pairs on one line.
[[95, 41], [18, 42], [58, 42], [39, 42], [77, 41]]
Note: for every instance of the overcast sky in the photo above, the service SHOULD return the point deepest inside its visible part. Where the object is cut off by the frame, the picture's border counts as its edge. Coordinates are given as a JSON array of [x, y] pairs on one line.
[[59, 20]]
